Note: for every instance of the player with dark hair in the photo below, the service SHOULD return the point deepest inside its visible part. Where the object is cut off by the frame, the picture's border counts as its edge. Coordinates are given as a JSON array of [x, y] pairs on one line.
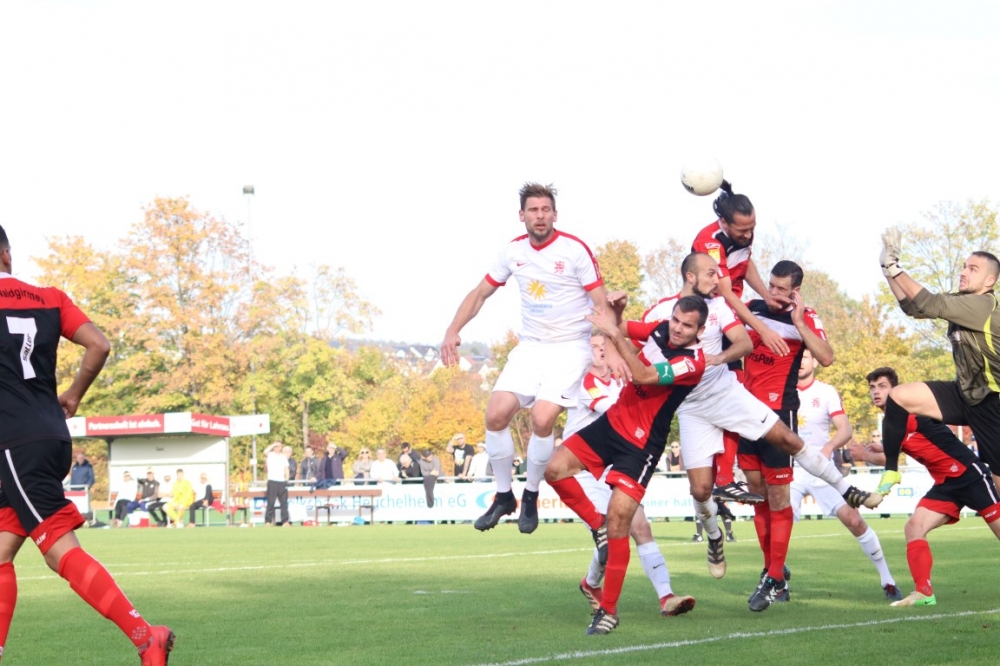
[[37, 451], [630, 436], [960, 479], [729, 240], [771, 379], [560, 282], [973, 398]]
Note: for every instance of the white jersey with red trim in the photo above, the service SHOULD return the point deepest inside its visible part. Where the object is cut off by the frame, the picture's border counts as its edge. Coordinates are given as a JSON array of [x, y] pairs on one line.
[[720, 319], [554, 280], [594, 398], [818, 404]]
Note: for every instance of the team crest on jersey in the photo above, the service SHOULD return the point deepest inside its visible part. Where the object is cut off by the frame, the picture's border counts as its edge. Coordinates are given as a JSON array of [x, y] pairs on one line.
[[537, 290], [772, 397], [639, 433], [560, 267], [713, 319], [953, 468], [682, 366], [815, 403]]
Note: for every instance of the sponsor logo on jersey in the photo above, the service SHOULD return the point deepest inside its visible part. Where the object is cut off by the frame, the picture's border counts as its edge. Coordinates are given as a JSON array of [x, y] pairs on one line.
[[710, 245], [682, 367], [537, 290], [560, 267], [594, 392], [762, 357], [714, 254]]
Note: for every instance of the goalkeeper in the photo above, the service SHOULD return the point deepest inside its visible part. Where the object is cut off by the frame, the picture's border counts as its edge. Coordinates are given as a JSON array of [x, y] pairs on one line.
[[973, 317]]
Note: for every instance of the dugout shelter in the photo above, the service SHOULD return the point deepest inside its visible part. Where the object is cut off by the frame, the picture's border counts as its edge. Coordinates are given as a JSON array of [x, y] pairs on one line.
[[196, 443]]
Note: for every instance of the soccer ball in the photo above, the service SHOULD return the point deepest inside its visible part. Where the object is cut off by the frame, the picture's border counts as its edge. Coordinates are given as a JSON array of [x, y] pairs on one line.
[[702, 176]]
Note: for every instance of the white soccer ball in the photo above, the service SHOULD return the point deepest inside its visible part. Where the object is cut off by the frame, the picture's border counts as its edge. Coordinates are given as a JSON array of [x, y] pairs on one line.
[[702, 176]]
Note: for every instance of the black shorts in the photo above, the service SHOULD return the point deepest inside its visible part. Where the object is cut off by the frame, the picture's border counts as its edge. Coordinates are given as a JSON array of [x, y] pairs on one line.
[[974, 489], [772, 461], [608, 448], [984, 418], [31, 478]]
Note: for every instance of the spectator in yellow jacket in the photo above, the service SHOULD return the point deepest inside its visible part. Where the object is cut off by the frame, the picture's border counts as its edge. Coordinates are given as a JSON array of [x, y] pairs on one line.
[[182, 499]]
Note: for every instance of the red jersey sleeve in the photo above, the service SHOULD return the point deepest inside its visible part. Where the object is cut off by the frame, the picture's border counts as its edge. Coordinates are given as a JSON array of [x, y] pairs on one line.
[[71, 317], [640, 330], [814, 323]]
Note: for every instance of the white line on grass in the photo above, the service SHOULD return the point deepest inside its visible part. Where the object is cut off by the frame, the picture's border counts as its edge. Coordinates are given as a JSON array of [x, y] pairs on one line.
[[580, 654]]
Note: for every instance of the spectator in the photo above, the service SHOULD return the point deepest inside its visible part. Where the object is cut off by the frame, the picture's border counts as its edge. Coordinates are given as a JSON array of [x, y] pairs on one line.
[[383, 470], [519, 468], [309, 467], [430, 469], [331, 466], [462, 454], [128, 492], [183, 498], [479, 469], [292, 465], [277, 484], [155, 505], [82, 472], [362, 466], [203, 491], [409, 464], [674, 457]]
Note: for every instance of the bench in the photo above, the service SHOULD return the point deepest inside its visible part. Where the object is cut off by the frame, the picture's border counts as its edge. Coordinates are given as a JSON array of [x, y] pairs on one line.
[[366, 494]]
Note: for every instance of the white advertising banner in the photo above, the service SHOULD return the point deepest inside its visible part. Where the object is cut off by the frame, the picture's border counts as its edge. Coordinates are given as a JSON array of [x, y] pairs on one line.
[[666, 497]]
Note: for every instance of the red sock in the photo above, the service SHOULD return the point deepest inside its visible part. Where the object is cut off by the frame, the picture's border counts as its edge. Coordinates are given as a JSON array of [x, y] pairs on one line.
[[918, 556], [762, 523], [781, 533], [94, 584], [571, 493], [614, 573], [724, 461], [8, 599]]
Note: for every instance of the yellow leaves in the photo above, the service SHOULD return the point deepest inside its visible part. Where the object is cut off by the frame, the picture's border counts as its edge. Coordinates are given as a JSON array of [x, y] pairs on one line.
[[622, 270]]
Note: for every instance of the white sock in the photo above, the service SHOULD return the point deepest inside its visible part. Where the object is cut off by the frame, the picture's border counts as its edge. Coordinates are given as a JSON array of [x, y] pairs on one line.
[[655, 567], [707, 513], [539, 452], [596, 572], [814, 463], [871, 547], [500, 449]]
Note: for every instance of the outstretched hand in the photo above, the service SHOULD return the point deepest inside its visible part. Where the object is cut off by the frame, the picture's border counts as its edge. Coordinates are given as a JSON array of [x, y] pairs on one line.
[[892, 241]]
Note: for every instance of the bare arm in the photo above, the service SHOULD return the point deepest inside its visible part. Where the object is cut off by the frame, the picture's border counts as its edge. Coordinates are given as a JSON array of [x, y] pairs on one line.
[[771, 340], [821, 350], [612, 307], [96, 350], [468, 309], [740, 347], [841, 436], [640, 373]]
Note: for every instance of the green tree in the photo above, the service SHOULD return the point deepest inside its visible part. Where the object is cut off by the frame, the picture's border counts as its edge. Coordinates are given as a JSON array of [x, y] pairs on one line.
[[622, 270], [662, 268]]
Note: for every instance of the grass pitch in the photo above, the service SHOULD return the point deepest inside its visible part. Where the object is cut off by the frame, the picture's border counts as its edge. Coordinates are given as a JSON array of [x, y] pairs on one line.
[[443, 595]]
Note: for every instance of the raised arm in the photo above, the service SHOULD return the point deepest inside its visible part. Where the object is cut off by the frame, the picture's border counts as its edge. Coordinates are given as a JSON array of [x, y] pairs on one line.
[[770, 338], [821, 350], [468, 309]]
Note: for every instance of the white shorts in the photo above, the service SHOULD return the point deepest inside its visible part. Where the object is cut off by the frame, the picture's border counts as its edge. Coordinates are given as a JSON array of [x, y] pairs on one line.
[[827, 498], [550, 371], [703, 421], [596, 490]]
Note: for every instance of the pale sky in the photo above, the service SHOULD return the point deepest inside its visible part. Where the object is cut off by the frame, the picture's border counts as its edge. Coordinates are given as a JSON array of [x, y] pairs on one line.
[[391, 138]]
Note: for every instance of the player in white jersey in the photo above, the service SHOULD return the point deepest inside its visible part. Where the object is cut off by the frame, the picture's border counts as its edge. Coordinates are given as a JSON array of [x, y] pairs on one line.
[[819, 407], [718, 400], [598, 392], [560, 284]]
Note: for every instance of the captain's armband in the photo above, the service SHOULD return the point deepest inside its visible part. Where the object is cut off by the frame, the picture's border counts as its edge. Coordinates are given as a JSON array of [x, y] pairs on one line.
[[665, 372]]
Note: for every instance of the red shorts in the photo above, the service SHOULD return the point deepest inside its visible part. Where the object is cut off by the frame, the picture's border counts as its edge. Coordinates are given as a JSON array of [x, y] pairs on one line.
[[599, 446], [974, 489], [775, 465]]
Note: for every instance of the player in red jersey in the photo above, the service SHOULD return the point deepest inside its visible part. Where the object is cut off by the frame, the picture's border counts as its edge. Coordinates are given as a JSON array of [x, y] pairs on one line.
[[36, 452], [960, 479], [772, 378], [560, 282], [729, 240], [630, 436]]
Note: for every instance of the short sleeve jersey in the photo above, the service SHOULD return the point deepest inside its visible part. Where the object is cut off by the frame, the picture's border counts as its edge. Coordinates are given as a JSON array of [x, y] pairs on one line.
[[720, 319], [554, 280], [32, 319], [772, 379], [594, 398], [643, 413], [818, 404], [733, 260]]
